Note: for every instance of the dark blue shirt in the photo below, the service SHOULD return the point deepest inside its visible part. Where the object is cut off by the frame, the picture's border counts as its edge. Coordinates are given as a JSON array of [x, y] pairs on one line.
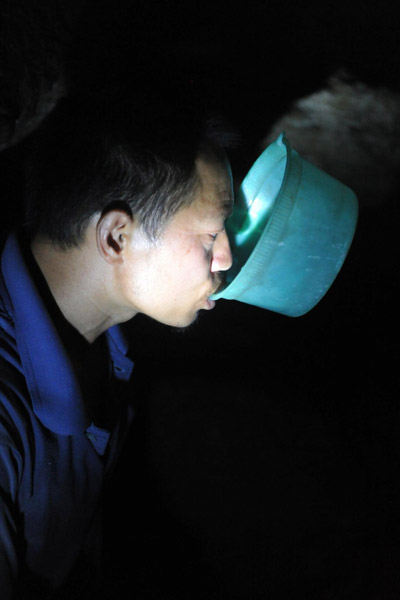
[[54, 455]]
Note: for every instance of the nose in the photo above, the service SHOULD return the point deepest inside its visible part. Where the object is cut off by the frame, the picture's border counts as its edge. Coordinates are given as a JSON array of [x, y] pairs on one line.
[[222, 255]]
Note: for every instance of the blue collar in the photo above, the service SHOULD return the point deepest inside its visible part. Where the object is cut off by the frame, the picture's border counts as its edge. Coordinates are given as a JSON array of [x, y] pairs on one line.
[[56, 396]]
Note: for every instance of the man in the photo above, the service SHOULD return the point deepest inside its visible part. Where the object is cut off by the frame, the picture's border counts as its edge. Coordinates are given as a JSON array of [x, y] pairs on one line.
[[125, 214]]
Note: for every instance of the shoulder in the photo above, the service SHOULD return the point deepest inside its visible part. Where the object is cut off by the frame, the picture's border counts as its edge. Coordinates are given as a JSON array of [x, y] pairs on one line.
[[15, 420], [15, 405], [9, 355]]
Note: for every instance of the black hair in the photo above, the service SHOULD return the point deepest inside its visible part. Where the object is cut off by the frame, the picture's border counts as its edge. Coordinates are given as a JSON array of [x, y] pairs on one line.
[[137, 154]]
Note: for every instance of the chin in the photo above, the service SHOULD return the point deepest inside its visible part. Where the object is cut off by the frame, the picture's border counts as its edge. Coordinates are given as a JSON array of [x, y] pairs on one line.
[[185, 321], [180, 320]]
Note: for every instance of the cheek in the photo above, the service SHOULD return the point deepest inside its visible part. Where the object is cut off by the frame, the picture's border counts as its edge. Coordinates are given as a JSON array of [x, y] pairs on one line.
[[180, 269], [186, 273], [195, 265]]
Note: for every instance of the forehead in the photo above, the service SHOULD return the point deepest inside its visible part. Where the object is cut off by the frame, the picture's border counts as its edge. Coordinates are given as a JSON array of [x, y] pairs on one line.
[[212, 202], [215, 177], [214, 194]]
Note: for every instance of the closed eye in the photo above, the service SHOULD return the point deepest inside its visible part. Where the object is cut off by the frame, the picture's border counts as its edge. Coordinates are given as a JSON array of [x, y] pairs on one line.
[[213, 236]]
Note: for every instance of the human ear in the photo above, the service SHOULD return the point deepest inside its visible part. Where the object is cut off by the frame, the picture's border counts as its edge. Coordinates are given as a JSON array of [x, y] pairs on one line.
[[112, 231]]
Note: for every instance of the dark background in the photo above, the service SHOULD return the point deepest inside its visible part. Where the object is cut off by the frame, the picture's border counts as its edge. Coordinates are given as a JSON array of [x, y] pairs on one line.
[[264, 458]]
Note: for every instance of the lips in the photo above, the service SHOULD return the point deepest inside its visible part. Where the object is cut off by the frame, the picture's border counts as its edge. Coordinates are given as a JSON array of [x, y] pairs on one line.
[[210, 304]]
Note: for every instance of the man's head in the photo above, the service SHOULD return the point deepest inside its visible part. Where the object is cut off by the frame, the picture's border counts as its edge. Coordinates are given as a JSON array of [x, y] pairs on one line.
[[151, 198], [138, 157], [171, 279]]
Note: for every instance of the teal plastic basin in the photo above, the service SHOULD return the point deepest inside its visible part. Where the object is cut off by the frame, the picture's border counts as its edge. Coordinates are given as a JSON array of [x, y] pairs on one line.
[[290, 232]]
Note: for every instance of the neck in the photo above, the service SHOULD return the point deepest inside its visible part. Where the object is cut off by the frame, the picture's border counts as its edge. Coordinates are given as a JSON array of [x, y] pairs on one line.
[[79, 283]]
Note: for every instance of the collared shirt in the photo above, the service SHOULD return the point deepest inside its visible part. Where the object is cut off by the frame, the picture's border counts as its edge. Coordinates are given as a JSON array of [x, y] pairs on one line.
[[53, 457]]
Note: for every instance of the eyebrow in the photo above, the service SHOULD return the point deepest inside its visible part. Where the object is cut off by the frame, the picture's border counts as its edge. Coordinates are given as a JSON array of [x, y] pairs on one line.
[[226, 204], [225, 207]]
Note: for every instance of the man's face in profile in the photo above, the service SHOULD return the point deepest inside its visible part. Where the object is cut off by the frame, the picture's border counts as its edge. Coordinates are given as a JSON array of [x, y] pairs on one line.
[[171, 279]]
